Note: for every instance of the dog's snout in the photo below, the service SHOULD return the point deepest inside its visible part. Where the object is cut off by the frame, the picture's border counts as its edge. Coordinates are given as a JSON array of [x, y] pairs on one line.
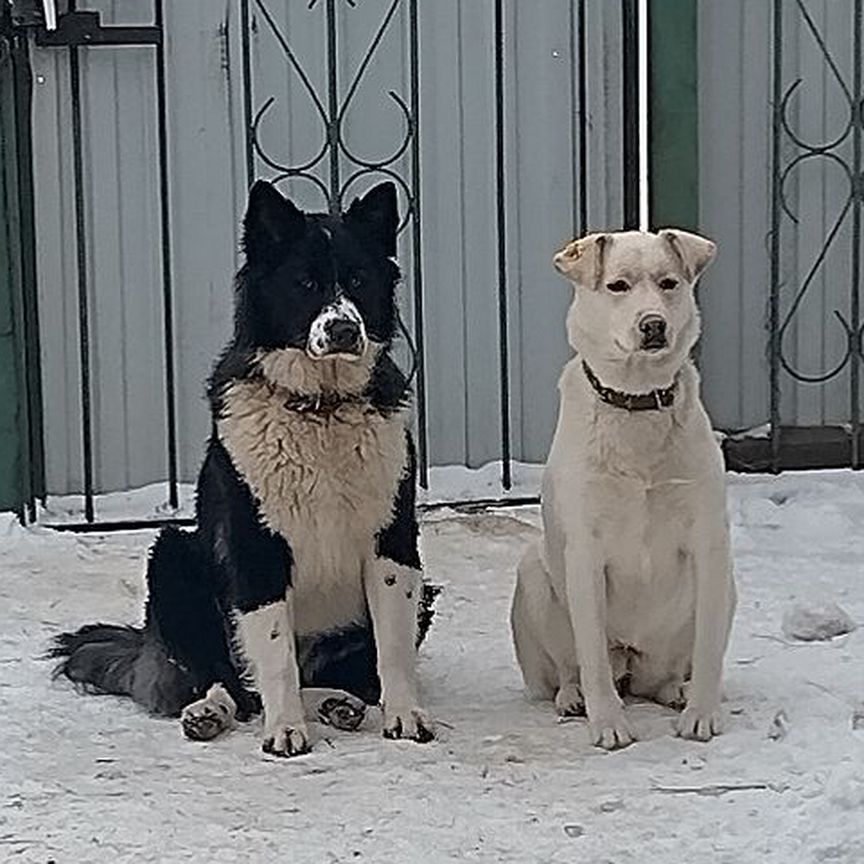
[[343, 334], [653, 330]]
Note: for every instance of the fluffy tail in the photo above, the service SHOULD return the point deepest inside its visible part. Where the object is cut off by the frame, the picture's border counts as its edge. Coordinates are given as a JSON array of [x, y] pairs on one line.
[[144, 663], [100, 658]]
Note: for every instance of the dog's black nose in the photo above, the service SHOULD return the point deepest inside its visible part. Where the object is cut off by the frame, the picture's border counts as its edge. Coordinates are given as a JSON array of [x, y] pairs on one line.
[[653, 330], [344, 334]]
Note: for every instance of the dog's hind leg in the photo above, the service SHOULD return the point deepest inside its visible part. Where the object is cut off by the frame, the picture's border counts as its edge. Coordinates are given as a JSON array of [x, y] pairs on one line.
[[184, 615], [543, 638]]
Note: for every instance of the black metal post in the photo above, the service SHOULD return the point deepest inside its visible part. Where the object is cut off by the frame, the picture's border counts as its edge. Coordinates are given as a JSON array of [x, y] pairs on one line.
[[167, 276], [245, 37], [81, 263], [776, 205], [333, 118], [630, 91], [416, 239], [857, 192], [501, 226]]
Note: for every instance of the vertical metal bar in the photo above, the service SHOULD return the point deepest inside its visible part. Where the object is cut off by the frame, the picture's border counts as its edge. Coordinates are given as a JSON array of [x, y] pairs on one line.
[[81, 263], [333, 108], [30, 309], [245, 27], [630, 92], [167, 279], [774, 298], [501, 224], [416, 248], [582, 53], [858, 116]]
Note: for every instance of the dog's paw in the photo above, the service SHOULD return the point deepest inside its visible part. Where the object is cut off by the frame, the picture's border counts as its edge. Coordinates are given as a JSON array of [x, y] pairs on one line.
[[410, 723], [569, 701], [673, 695], [699, 724], [286, 740], [610, 729], [342, 712], [208, 717]]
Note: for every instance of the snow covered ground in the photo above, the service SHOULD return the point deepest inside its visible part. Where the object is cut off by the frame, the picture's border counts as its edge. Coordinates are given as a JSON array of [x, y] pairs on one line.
[[93, 779]]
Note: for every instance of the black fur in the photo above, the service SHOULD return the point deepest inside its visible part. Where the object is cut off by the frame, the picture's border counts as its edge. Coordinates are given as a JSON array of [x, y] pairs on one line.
[[295, 265]]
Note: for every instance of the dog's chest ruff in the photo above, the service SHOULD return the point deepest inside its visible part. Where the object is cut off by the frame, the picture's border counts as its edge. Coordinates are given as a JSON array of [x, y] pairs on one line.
[[326, 483]]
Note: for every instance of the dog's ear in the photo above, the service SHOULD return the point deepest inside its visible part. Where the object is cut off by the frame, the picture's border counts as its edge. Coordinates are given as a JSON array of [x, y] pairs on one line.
[[271, 223], [376, 216], [582, 261], [693, 252]]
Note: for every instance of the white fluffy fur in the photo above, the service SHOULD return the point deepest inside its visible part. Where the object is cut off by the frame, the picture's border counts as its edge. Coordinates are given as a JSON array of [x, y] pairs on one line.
[[325, 483], [632, 572]]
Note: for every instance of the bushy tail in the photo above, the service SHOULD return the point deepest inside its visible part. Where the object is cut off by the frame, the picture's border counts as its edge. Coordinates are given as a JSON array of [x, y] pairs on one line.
[[143, 663], [100, 658]]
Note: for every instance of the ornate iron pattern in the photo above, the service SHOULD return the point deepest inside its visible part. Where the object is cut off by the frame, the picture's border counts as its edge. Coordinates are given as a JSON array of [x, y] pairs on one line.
[[344, 167], [836, 151]]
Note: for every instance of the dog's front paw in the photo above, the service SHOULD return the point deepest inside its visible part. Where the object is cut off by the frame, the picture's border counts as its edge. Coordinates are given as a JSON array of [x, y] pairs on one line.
[[569, 701], [287, 740], [208, 717], [407, 722], [609, 729], [699, 723]]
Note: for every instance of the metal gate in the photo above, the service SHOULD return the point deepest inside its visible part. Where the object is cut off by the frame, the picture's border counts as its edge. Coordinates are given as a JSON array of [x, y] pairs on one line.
[[780, 110], [504, 140]]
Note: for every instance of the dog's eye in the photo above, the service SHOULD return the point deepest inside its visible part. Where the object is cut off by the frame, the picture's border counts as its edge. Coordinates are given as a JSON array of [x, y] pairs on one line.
[[619, 286], [356, 281], [309, 284], [668, 284]]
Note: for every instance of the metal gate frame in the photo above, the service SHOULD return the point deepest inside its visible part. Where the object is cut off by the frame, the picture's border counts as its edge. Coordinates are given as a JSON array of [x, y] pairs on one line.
[[82, 30]]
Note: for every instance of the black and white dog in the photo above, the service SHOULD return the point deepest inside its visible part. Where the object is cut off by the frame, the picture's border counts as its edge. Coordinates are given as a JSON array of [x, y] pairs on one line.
[[304, 569]]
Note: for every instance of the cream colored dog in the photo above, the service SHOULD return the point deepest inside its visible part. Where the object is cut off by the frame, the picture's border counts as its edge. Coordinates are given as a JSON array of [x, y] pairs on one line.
[[631, 581]]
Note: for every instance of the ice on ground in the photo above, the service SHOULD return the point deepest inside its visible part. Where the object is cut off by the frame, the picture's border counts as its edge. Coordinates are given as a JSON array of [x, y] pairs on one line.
[[87, 779]]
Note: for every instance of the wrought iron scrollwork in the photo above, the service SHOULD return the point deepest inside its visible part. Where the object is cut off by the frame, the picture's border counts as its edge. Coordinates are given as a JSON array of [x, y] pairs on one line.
[[335, 167], [843, 151]]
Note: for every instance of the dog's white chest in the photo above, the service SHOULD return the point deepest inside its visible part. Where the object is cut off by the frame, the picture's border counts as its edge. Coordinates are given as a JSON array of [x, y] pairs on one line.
[[326, 484]]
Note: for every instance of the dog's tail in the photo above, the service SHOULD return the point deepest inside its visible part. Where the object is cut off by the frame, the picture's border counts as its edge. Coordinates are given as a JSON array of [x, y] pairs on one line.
[[136, 661]]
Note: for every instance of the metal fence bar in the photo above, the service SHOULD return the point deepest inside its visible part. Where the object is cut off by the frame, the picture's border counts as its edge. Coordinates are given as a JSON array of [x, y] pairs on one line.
[[167, 276], [246, 62], [81, 263], [416, 239], [776, 205], [630, 101], [501, 227], [857, 192], [581, 67]]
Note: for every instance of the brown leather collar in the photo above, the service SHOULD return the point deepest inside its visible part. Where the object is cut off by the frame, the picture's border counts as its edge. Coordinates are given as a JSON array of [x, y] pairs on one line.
[[656, 400]]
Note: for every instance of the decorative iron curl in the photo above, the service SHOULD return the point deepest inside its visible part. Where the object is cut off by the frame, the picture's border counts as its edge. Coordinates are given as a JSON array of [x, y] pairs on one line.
[[826, 151], [334, 143]]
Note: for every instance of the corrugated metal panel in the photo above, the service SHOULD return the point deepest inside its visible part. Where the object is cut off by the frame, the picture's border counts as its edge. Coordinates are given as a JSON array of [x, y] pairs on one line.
[[207, 176], [735, 141]]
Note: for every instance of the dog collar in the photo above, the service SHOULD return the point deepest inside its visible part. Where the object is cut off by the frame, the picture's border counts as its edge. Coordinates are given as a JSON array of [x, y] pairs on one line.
[[324, 403], [662, 397]]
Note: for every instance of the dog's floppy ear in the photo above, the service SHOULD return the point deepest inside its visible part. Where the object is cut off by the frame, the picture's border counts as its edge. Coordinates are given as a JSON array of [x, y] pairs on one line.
[[582, 261], [693, 252], [376, 216], [271, 223]]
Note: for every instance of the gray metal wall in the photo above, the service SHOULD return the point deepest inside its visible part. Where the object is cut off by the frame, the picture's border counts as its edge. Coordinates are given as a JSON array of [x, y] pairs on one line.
[[207, 177], [735, 98]]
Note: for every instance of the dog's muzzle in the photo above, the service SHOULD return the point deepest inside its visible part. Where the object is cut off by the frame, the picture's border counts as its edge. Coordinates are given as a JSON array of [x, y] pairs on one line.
[[654, 332], [338, 331]]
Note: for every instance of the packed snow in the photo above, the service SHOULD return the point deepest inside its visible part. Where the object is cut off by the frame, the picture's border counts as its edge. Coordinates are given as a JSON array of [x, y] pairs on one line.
[[93, 779]]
